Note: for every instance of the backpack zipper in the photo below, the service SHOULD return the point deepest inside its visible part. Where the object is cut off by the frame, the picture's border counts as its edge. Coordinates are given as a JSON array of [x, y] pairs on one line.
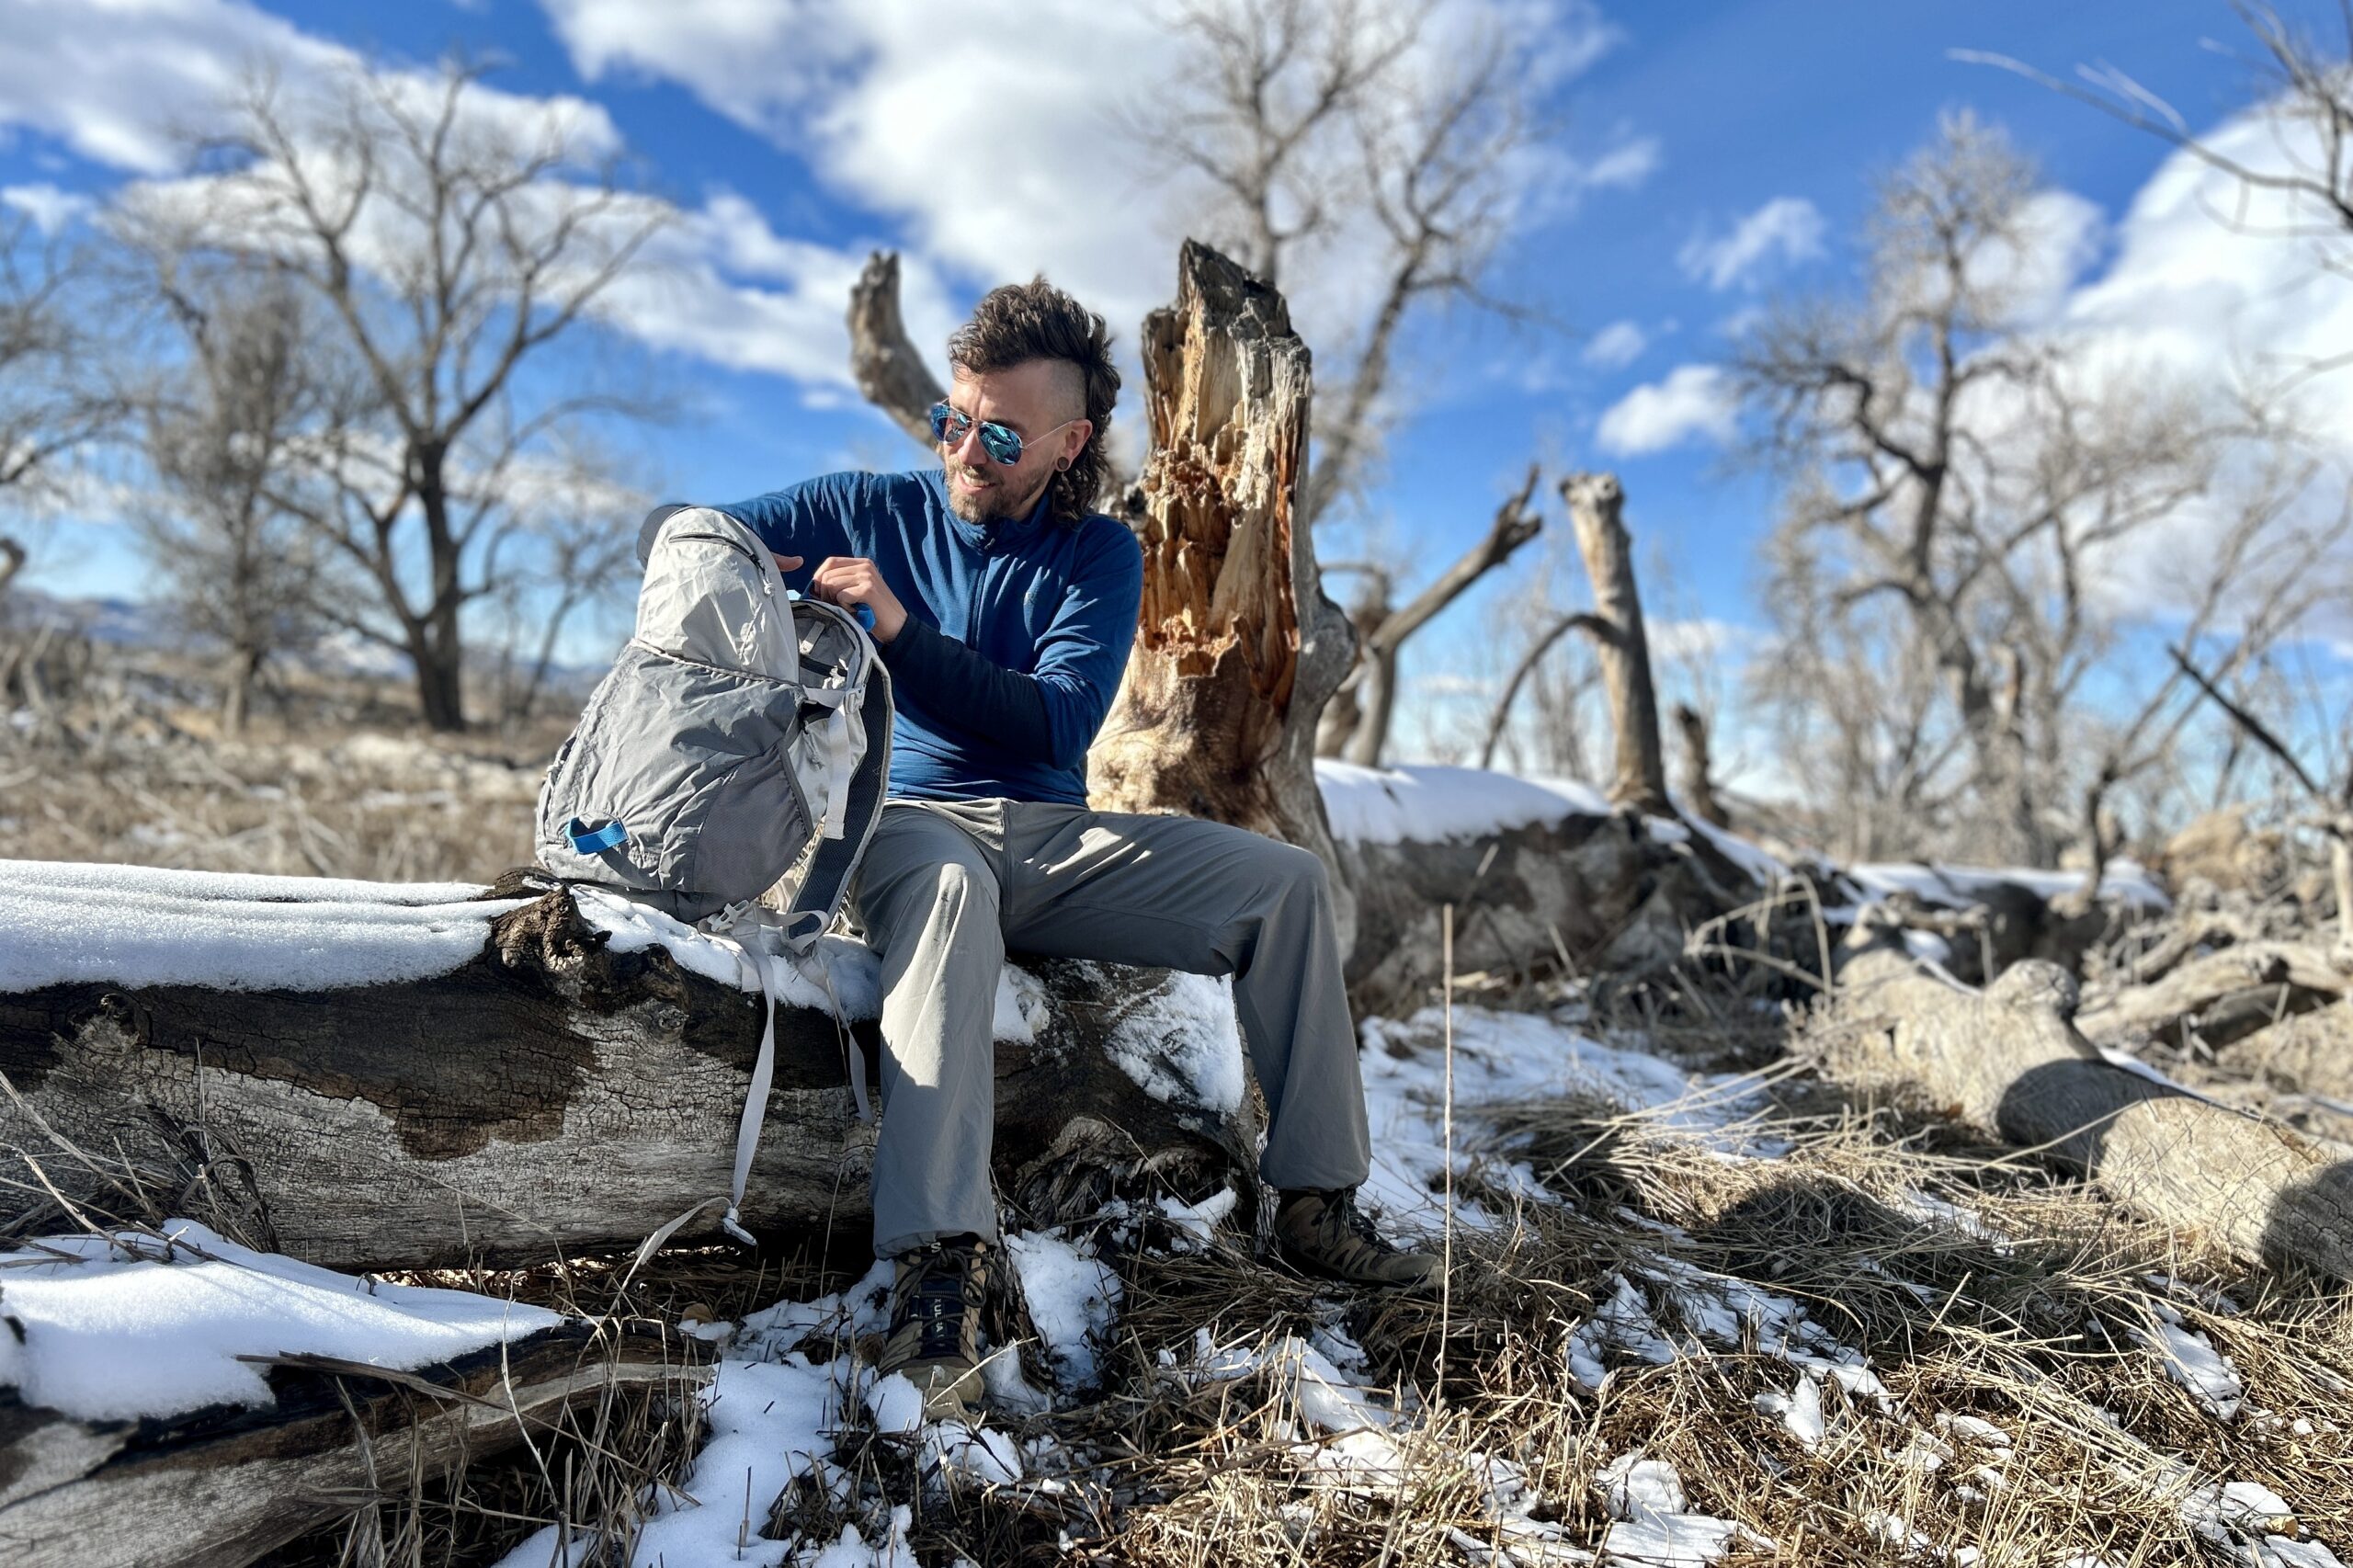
[[735, 545]]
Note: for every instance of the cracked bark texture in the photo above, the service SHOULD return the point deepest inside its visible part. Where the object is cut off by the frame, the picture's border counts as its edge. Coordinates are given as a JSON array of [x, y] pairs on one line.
[[1237, 648], [547, 1098], [2010, 1060]]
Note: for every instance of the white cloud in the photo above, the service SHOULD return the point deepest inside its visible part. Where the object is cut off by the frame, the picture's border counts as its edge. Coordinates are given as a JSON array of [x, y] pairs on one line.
[[999, 155], [1790, 226], [1694, 400], [50, 208], [2059, 233], [1702, 640], [124, 81], [1618, 344], [116, 79]]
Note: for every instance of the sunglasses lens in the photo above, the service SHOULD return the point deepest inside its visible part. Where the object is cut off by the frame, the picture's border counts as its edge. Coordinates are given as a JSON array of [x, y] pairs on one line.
[[1001, 443], [943, 419]]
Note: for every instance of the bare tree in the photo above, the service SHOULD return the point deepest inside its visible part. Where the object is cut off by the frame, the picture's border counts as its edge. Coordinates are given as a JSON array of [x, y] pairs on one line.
[[2304, 193], [582, 535], [1323, 125], [1356, 724], [450, 240], [248, 384], [51, 402], [1953, 462], [1329, 127]]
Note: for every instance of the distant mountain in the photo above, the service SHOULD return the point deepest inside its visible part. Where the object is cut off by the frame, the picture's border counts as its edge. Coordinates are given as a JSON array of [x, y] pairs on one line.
[[139, 623], [130, 623]]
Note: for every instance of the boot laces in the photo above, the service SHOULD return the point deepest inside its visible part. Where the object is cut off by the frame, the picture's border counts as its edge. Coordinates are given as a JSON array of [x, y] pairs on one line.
[[1343, 1219], [937, 1301]]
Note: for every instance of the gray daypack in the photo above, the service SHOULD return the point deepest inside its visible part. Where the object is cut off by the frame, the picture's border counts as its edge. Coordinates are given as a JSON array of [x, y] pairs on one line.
[[741, 740], [741, 743]]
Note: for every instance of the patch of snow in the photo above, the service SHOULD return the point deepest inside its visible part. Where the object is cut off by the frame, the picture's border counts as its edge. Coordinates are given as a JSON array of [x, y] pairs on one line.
[[1359, 1447], [1799, 1410], [1073, 1299], [1427, 803], [124, 1326], [1182, 1045], [2192, 1361], [1646, 1499], [1973, 1429], [1763, 866], [63, 923], [1502, 1057], [1958, 887], [1197, 1220], [1623, 1324]]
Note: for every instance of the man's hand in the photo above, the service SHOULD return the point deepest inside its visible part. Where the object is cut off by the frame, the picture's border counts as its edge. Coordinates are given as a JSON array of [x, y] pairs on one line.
[[851, 580]]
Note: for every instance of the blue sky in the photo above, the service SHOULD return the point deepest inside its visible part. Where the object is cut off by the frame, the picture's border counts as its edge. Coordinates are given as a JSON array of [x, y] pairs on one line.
[[819, 139]]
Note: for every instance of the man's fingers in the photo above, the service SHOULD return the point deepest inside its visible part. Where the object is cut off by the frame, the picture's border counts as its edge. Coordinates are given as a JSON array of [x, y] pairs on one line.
[[787, 562]]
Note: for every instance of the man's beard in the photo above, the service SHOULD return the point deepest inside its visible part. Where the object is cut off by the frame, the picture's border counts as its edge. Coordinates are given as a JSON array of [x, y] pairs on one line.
[[994, 502]]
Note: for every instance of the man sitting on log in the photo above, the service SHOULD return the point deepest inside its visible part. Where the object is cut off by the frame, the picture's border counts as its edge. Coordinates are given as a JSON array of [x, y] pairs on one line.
[[1005, 607]]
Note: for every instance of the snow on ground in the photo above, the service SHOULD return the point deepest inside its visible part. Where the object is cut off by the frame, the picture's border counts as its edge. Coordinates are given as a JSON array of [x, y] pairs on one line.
[[113, 1328], [63, 923], [1074, 1301], [1654, 1522], [1500, 1058]]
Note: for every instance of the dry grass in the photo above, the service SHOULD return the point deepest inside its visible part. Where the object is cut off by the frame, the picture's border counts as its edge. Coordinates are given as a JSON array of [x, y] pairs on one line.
[[2032, 1312], [339, 783]]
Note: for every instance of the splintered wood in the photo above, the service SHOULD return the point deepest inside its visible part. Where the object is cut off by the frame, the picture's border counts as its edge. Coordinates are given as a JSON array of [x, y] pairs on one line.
[[1237, 649]]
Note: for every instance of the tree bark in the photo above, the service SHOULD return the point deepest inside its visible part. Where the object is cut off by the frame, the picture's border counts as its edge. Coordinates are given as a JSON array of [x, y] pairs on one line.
[[2222, 997], [1237, 648], [1699, 772], [218, 1488], [890, 372], [1596, 506], [2010, 1062], [549, 1096]]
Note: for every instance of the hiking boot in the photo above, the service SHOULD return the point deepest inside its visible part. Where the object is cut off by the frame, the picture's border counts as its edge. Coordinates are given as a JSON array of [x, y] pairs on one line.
[[1325, 1232], [935, 1338]]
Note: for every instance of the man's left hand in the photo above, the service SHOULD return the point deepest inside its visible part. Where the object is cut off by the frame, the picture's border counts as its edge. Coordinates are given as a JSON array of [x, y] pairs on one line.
[[852, 580]]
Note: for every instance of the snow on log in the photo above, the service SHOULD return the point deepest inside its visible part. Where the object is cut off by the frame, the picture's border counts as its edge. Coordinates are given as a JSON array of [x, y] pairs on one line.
[[2010, 1060], [283, 1394], [386, 1076]]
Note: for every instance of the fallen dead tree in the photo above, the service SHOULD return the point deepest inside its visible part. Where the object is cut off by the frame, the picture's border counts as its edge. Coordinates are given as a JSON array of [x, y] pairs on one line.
[[221, 1486], [550, 1095], [2010, 1062], [1543, 879]]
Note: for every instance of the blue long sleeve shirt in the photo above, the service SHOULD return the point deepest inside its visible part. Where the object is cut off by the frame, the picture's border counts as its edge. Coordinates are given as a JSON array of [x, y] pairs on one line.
[[1016, 633]]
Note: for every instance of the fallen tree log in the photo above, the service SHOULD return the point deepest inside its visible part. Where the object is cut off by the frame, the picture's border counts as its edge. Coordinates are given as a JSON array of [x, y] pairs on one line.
[[553, 1093], [2010, 1062], [2222, 997], [219, 1487], [1543, 878]]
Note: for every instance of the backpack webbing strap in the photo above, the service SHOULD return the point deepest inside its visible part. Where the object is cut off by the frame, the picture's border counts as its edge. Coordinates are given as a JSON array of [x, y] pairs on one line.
[[756, 1101]]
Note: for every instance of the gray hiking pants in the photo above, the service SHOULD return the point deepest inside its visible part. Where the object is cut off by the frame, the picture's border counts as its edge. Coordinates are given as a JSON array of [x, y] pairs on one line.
[[946, 886]]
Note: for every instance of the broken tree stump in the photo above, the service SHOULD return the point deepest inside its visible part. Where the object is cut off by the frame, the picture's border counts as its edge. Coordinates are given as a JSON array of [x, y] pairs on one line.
[[2009, 1061], [1237, 648], [550, 1095]]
